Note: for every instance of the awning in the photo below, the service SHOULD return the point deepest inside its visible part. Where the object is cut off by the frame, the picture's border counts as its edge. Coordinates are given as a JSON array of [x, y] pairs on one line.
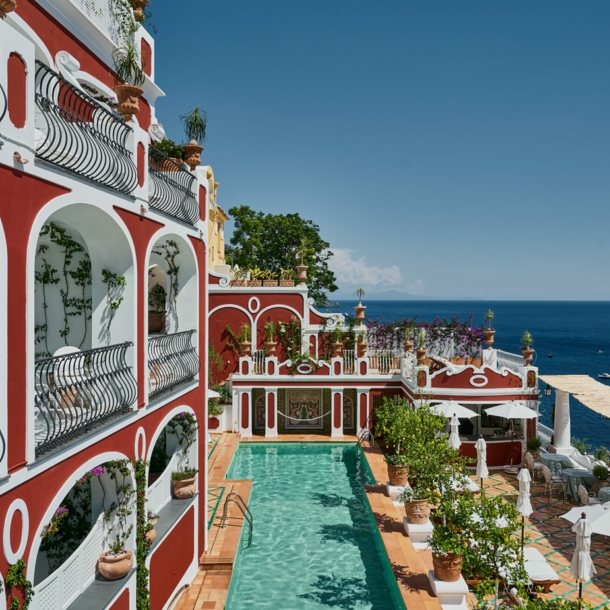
[[592, 394]]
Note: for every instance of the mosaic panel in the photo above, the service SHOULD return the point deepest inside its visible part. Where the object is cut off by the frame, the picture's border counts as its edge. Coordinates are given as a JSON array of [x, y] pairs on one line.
[[304, 409]]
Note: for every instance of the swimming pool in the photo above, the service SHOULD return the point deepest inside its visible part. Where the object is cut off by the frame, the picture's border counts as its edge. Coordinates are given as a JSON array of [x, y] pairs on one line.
[[315, 544]]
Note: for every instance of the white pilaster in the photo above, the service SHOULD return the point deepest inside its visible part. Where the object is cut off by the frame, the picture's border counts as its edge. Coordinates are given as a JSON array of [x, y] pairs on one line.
[[271, 397], [244, 412], [367, 398], [336, 399], [562, 427]]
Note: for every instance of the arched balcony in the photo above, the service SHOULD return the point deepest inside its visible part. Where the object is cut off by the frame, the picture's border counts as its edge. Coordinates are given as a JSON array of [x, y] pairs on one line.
[[84, 325], [173, 361]]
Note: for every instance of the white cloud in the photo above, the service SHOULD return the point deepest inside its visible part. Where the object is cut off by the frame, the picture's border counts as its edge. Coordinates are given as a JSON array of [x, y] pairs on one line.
[[358, 273], [417, 287]]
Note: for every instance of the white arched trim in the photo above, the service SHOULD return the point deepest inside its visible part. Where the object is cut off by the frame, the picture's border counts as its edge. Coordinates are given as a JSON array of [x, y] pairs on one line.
[[13, 556], [230, 306], [168, 417], [20, 25], [280, 306], [98, 460], [140, 434]]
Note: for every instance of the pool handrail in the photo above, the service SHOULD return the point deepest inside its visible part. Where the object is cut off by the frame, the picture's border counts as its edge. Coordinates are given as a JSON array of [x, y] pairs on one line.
[[241, 505]]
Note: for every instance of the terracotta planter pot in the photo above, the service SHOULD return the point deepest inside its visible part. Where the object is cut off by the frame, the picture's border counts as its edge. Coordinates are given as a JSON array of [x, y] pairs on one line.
[[129, 100], [138, 10], [421, 356], [528, 354], [418, 511], [362, 347], [213, 423], [270, 346], [246, 347], [359, 309], [113, 568], [7, 6], [156, 322], [255, 283], [302, 274], [238, 283], [151, 535], [337, 349], [488, 336], [185, 489], [447, 568], [286, 282], [192, 154], [408, 346], [269, 283], [397, 475]]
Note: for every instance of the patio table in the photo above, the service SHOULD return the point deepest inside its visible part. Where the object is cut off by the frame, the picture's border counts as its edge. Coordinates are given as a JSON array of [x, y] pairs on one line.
[[604, 494], [575, 477], [556, 462]]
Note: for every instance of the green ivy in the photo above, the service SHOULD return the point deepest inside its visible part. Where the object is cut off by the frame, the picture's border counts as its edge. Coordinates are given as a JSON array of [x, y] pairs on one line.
[[142, 542], [170, 251], [114, 295], [15, 579]]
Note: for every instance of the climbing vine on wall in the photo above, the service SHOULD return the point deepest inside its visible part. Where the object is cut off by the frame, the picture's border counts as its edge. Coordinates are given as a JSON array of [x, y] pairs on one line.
[[142, 541], [15, 579], [170, 251]]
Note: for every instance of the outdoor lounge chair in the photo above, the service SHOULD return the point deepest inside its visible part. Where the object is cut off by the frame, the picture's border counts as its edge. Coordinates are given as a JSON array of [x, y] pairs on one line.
[[551, 481], [538, 570], [587, 499]]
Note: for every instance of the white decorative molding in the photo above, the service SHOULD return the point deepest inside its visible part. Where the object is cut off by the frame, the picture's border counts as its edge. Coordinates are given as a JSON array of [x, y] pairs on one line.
[[140, 434], [304, 368], [12, 556], [254, 304], [479, 381]]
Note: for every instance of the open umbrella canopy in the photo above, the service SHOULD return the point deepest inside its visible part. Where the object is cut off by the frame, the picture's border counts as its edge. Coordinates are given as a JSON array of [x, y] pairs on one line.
[[598, 515], [513, 410], [524, 505], [454, 437], [481, 447], [449, 408]]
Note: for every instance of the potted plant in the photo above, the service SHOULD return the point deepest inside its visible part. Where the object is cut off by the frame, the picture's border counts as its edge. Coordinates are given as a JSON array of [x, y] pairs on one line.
[[421, 347], [183, 482], [130, 78], [170, 149], [398, 471], [488, 331], [359, 309], [269, 278], [195, 124], [533, 446], [417, 505], [303, 251], [245, 337], [138, 9], [286, 277], [214, 410], [7, 6], [256, 276], [409, 334], [270, 344], [601, 478], [527, 342], [337, 342], [151, 532], [157, 299]]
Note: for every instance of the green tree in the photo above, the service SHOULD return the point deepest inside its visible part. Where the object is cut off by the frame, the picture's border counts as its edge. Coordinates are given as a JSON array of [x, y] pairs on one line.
[[274, 241]]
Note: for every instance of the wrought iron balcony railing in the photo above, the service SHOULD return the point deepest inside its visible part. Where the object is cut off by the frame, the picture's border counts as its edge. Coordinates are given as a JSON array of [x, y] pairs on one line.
[[78, 391], [172, 362], [78, 134], [171, 188]]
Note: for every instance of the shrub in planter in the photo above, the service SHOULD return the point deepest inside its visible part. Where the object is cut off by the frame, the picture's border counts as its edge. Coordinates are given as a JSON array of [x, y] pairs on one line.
[[157, 299], [214, 410], [397, 470], [184, 483], [533, 445], [416, 504], [600, 472]]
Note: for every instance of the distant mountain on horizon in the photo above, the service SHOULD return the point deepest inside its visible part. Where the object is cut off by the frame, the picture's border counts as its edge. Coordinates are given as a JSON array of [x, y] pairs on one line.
[[388, 295]]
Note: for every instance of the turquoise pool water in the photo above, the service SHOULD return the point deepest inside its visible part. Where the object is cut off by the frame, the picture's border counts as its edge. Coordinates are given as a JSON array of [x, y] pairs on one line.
[[315, 544]]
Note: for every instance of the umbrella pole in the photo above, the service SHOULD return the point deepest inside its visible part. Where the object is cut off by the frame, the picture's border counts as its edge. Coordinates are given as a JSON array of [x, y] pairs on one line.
[[522, 534]]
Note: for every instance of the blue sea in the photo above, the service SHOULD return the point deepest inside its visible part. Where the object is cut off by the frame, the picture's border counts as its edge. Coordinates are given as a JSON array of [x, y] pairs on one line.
[[576, 333]]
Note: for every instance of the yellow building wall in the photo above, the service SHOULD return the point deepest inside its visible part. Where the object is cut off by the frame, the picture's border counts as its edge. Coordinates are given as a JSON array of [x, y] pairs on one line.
[[216, 220]]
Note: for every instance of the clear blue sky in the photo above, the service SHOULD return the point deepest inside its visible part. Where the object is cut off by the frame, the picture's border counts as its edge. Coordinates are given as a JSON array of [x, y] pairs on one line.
[[453, 148]]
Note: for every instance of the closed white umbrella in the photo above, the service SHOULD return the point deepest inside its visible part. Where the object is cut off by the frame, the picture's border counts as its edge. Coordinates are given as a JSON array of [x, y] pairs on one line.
[[454, 437], [582, 568], [450, 408], [524, 505], [482, 471], [514, 409], [598, 516]]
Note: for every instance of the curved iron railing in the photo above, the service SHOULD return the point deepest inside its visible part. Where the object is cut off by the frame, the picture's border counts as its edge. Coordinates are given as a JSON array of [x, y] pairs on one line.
[[172, 361], [78, 391], [3, 103], [171, 188], [80, 135], [3, 446]]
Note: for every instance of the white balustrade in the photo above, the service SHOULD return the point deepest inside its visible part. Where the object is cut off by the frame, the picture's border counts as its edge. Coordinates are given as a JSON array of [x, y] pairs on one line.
[[349, 362], [62, 587], [258, 362], [545, 434], [384, 362], [160, 492], [510, 361]]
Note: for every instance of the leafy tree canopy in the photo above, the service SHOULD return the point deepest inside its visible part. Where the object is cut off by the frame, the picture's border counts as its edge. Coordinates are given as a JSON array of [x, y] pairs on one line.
[[274, 241]]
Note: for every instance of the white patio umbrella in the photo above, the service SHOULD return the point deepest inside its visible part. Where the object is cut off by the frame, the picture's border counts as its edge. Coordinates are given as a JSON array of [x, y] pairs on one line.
[[514, 409], [524, 505], [450, 408], [482, 471], [582, 568], [598, 516], [454, 437]]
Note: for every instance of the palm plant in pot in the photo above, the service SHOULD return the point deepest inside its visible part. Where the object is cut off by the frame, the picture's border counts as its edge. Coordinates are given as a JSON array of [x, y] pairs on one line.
[[421, 347], [245, 339], [409, 336], [527, 341], [303, 251], [360, 307], [157, 299], [269, 278], [337, 342], [270, 344], [195, 124], [488, 331], [286, 277], [130, 77]]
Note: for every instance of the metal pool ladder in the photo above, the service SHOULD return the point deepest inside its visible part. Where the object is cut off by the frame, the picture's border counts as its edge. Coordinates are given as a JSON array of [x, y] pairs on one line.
[[243, 507]]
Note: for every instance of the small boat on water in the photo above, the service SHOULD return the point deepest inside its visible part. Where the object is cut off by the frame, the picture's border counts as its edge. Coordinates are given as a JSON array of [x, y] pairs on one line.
[[550, 355], [604, 375]]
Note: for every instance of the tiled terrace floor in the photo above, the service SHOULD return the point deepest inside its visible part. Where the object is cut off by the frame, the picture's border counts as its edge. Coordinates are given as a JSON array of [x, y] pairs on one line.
[[553, 537]]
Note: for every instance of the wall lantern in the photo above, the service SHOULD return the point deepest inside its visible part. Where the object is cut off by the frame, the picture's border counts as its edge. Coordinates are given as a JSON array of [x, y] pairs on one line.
[[548, 390]]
